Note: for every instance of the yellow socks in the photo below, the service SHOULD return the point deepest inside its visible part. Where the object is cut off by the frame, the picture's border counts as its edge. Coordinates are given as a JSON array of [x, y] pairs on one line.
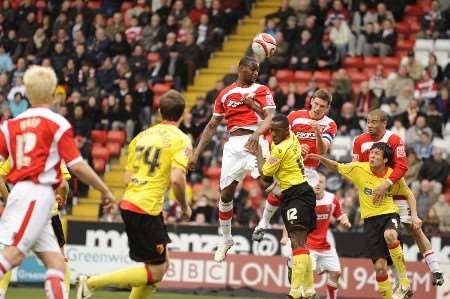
[[4, 282], [300, 263], [384, 286], [67, 276], [308, 282], [396, 253], [128, 278], [142, 292]]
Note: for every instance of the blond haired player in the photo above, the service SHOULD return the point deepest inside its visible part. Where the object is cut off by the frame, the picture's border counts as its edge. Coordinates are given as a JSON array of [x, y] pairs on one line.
[[36, 142], [157, 159], [61, 197]]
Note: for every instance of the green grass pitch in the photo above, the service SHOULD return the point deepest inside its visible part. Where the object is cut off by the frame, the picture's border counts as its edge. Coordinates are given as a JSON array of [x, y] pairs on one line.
[[35, 293]]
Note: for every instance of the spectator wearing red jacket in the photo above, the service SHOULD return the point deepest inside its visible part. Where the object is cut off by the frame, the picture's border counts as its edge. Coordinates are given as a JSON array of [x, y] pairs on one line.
[[197, 12]]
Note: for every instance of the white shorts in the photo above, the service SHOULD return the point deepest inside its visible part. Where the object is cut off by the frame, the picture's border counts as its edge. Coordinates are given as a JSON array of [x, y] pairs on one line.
[[405, 211], [26, 220], [237, 161], [325, 260]]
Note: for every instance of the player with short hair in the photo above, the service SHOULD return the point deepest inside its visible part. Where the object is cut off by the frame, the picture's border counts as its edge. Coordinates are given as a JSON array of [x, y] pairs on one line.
[[246, 131], [36, 141], [61, 194], [376, 132], [157, 159], [285, 164], [315, 132], [381, 219]]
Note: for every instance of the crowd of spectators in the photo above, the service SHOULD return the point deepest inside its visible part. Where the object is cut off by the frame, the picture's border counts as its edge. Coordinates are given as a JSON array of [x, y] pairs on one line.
[[108, 56]]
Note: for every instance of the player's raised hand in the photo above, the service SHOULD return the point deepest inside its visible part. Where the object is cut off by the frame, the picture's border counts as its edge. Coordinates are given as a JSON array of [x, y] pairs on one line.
[[252, 143], [108, 200], [313, 156], [345, 222], [186, 213], [305, 149], [315, 125], [416, 222], [380, 191]]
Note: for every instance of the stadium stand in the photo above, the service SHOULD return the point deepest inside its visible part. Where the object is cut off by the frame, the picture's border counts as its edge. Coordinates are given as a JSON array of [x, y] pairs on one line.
[[115, 60]]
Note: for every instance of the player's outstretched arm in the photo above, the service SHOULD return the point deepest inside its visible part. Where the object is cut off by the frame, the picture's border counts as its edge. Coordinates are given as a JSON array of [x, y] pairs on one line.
[[415, 220], [85, 173], [330, 164], [178, 182], [205, 138]]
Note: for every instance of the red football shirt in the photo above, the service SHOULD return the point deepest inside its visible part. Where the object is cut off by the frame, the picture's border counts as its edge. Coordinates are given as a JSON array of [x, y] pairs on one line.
[[36, 141], [237, 114], [363, 143], [326, 207], [300, 123]]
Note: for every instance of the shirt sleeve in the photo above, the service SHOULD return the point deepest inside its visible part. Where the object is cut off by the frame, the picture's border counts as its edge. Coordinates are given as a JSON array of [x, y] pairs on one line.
[[131, 154], [350, 171], [218, 106], [264, 98], [272, 164], [68, 150], [181, 156], [338, 211], [401, 189], [399, 158], [330, 132], [356, 150]]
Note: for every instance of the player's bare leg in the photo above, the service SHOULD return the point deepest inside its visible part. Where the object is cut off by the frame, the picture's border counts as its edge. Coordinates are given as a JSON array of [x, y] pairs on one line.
[[429, 255], [225, 218], [55, 287], [333, 284]]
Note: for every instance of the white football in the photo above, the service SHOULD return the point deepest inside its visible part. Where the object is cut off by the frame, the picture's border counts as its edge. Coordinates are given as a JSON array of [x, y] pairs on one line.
[[264, 45]]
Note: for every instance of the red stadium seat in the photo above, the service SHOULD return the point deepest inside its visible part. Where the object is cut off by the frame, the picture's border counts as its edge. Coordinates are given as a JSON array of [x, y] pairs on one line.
[[100, 153], [414, 27], [152, 58], [114, 149], [98, 136], [402, 28], [405, 44], [390, 62], [94, 5], [126, 6], [285, 76], [161, 88], [116, 136], [99, 165], [41, 4], [302, 76], [358, 77], [353, 62], [414, 10], [371, 61], [322, 76]]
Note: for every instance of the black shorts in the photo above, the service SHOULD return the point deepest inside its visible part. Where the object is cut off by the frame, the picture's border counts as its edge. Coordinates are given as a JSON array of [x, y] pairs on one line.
[[58, 229], [147, 237], [298, 208], [374, 228]]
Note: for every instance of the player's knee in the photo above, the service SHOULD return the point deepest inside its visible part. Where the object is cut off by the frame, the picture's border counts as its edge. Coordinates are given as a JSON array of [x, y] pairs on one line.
[[390, 236], [334, 276], [157, 272], [13, 255], [381, 267]]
